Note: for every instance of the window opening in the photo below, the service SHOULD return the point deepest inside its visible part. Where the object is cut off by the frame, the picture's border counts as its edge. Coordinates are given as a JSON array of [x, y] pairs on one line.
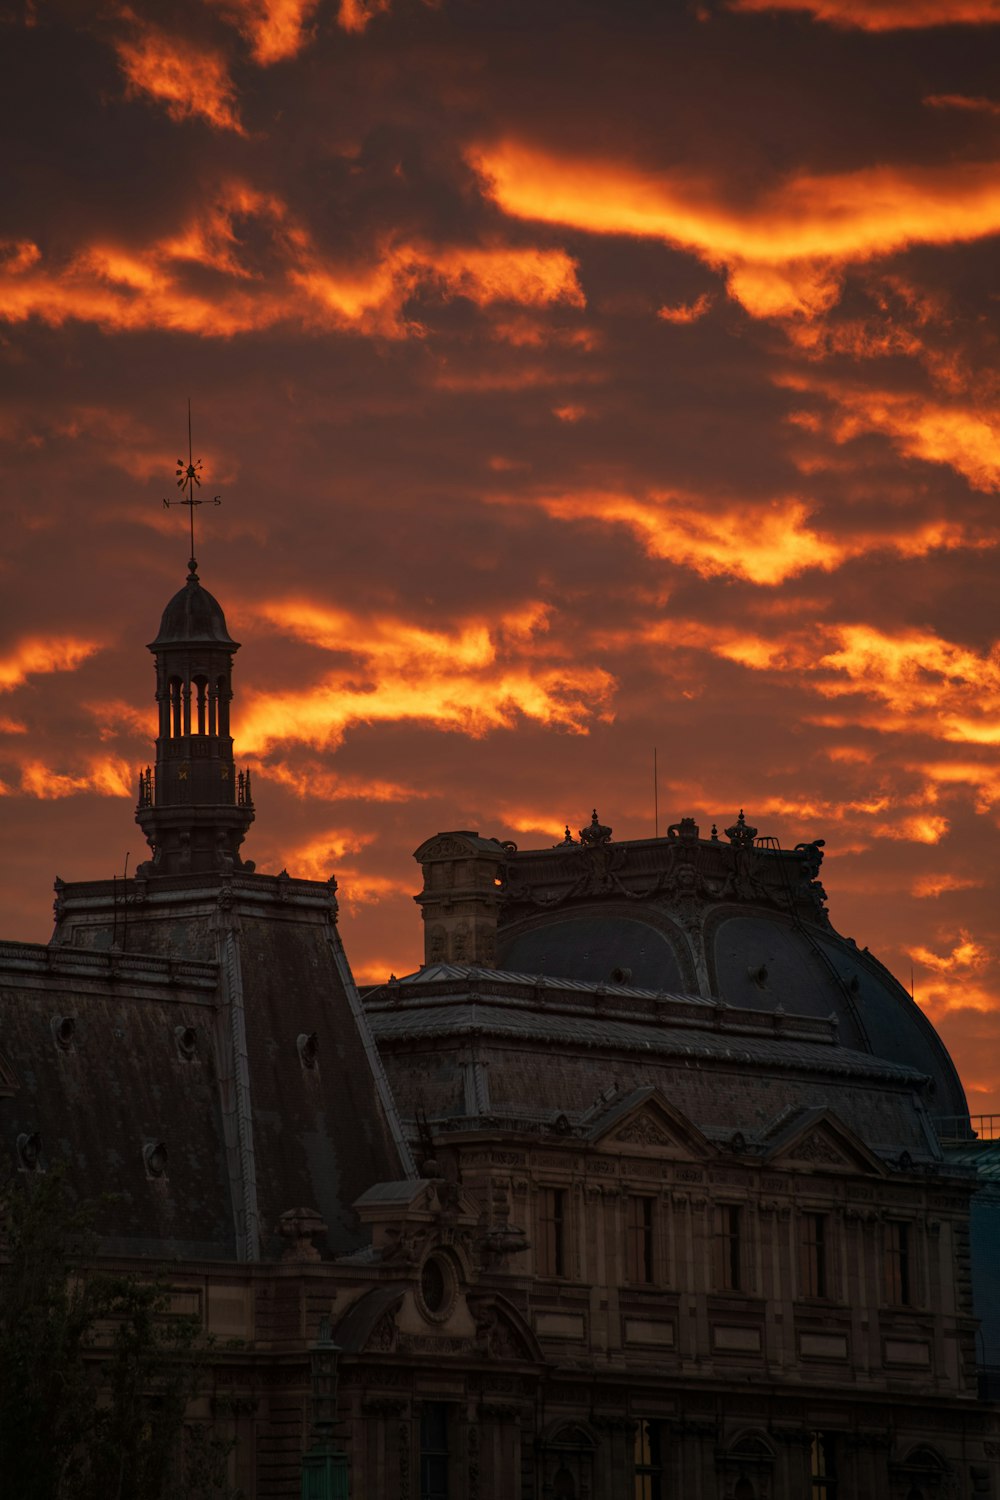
[[813, 1256], [897, 1262], [727, 1247], [822, 1466], [201, 685], [552, 1241], [648, 1461], [639, 1240], [433, 1286], [175, 707], [434, 1450]]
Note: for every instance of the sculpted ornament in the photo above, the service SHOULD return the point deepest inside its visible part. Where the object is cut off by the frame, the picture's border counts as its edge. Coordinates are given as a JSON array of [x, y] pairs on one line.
[[644, 1132], [383, 1337], [817, 1149], [596, 833], [437, 945], [741, 832]]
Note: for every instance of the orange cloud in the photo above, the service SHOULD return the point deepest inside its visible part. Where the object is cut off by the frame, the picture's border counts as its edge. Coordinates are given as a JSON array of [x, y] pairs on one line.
[[18, 255], [373, 296], [974, 103], [929, 886], [782, 251], [354, 15], [764, 544], [924, 828], [478, 677], [316, 859], [884, 15], [686, 312], [964, 438], [540, 824], [322, 856], [311, 779], [983, 779], [109, 776], [275, 29], [378, 970], [921, 683], [291, 280], [967, 956], [42, 654], [190, 79]]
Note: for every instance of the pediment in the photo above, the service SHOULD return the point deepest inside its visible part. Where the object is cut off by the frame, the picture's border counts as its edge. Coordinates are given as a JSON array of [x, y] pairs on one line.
[[817, 1141], [646, 1122]]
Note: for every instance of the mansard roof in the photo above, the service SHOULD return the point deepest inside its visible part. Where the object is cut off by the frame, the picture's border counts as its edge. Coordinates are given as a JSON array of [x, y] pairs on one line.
[[482, 1020], [737, 917]]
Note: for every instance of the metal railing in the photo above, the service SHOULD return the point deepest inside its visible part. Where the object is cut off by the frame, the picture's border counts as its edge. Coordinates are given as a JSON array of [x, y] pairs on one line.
[[958, 1128]]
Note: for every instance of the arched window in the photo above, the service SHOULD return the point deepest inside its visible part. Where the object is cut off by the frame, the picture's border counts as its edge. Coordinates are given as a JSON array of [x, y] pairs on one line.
[[223, 697], [175, 707], [201, 684]]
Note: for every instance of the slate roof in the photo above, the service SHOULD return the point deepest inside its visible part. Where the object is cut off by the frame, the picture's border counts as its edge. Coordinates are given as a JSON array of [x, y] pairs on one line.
[[480, 1018], [443, 974]]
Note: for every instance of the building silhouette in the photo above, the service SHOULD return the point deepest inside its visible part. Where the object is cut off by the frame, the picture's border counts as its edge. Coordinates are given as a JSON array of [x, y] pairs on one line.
[[647, 1183]]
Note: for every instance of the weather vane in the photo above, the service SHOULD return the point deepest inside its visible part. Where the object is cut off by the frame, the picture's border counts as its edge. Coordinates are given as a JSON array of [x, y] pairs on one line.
[[188, 476]]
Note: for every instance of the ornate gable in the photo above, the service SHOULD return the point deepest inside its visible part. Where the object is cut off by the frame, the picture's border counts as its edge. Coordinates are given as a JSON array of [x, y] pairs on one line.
[[645, 1121], [816, 1141]]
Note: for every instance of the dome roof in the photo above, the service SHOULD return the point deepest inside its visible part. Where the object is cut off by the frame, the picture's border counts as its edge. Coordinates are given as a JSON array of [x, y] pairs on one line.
[[193, 617], [740, 922]]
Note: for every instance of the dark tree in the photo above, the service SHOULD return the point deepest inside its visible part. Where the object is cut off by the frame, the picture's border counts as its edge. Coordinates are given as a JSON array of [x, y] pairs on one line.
[[95, 1373]]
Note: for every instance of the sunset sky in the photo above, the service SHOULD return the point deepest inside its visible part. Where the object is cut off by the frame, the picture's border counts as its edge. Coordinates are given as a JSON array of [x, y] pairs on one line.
[[579, 377]]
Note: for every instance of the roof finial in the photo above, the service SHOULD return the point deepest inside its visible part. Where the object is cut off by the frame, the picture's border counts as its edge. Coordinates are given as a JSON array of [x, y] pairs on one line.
[[188, 475]]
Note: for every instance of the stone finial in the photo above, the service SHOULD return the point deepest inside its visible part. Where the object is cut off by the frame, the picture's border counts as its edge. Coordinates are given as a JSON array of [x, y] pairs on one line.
[[741, 833], [597, 833]]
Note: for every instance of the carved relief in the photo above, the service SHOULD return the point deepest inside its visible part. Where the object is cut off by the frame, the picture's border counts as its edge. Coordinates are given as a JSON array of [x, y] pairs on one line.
[[645, 1132], [496, 1337], [461, 944], [437, 944], [819, 1150], [384, 1336]]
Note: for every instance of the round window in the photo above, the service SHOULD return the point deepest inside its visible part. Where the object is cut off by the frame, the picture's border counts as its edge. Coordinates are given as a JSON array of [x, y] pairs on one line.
[[433, 1285], [437, 1287]]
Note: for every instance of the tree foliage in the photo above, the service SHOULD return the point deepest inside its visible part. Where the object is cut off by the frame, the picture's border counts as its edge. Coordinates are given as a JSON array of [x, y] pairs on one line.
[[95, 1373]]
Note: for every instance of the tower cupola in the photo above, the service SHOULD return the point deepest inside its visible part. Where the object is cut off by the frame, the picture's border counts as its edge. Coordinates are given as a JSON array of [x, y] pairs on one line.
[[194, 808]]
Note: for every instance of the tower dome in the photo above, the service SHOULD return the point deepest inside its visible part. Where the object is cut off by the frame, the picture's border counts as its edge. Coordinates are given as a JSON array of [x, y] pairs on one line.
[[193, 616]]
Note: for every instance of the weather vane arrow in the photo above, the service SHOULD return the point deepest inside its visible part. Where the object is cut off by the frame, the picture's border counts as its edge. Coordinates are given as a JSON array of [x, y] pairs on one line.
[[188, 477]]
